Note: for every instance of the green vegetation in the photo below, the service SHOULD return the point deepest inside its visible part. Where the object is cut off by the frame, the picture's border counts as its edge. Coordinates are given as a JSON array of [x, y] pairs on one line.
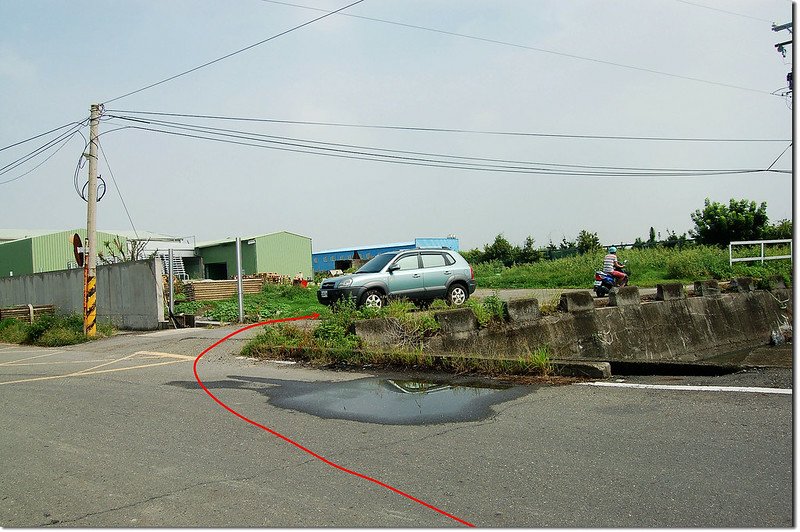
[[648, 267], [333, 341], [49, 331], [274, 301]]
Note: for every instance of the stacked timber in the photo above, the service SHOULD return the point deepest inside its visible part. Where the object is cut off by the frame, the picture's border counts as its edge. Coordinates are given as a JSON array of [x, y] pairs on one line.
[[211, 290], [26, 312]]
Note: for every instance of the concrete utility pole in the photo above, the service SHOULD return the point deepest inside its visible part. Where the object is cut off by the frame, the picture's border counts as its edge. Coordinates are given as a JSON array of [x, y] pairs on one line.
[[90, 316], [781, 47]]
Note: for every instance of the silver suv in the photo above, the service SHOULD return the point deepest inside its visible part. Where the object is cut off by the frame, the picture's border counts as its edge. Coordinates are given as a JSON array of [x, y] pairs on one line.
[[417, 274]]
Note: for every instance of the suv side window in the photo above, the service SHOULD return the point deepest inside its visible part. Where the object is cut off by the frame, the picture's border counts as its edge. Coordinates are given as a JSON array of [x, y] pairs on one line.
[[408, 262], [434, 260]]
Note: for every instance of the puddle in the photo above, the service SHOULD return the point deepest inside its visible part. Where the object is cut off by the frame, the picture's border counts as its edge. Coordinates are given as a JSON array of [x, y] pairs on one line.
[[378, 400]]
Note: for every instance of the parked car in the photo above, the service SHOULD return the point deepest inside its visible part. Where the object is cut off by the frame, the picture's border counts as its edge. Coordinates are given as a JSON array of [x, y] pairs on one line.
[[420, 275]]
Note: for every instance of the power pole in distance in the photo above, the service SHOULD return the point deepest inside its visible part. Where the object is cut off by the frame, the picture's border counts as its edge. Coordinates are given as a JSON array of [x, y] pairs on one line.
[[90, 316], [781, 47]]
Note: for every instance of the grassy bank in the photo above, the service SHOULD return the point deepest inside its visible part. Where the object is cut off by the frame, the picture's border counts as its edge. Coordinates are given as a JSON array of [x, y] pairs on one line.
[[333, 342], [49, 331], [648, 267]]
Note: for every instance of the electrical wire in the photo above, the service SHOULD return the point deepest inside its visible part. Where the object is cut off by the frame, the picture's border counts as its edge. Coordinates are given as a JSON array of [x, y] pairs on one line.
[[438, 129], [533, 48], [42, 134], [119, 192], [38, 151], [438, 163], [41, 163], [769, 168], [371, 150], [725, 11], [226, 56]]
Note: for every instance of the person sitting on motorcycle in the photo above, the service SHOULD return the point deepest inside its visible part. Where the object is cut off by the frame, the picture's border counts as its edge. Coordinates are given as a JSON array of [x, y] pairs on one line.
[[612, 266]]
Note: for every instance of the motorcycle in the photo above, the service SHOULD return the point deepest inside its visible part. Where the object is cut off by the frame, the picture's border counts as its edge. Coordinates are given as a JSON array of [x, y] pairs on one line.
[[604, 282]]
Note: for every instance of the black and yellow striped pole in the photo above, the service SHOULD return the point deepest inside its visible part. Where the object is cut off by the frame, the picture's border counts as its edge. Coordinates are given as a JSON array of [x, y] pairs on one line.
[[90, 316]]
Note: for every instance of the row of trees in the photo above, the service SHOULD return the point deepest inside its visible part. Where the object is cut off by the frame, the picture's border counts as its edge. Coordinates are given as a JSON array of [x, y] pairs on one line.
[[716, 224]]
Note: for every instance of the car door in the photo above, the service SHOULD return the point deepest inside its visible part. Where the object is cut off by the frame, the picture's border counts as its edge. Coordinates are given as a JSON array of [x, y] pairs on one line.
[[405, 277], [436, 271]]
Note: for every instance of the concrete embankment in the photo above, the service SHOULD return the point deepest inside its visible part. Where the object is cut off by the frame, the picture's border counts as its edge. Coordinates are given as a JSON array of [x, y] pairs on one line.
[[673, 328]]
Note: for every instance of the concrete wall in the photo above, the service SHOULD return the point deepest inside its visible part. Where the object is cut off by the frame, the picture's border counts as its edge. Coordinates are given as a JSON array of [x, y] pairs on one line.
[[129, 294], [676, 330]]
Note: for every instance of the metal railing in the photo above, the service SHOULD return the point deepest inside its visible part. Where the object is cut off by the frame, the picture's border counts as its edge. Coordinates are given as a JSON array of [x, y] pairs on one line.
[[761, 257]]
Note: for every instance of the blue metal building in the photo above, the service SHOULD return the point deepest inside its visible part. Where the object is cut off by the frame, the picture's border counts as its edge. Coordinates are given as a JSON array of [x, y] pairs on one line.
[[342, 258]]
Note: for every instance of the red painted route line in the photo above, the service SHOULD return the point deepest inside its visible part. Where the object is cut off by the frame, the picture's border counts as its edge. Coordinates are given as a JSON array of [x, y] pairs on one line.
[[292, 442]]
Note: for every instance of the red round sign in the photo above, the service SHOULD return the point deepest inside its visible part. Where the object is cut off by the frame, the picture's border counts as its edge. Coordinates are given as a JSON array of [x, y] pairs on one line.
[[77, 245]]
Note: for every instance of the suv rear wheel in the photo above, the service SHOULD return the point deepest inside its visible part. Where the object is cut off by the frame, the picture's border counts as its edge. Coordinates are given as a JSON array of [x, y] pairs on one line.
[[372, 299], [457, 295]]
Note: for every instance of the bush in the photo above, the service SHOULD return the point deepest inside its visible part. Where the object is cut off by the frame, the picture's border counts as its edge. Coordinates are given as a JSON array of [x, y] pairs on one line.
[[49, 331]]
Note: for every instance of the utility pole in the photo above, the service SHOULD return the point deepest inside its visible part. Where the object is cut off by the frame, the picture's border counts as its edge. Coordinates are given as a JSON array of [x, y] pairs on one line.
[[90, 316], [781, 47]]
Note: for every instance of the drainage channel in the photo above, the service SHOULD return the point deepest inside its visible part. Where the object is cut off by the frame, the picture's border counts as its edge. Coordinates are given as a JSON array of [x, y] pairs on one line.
[[672, 369]]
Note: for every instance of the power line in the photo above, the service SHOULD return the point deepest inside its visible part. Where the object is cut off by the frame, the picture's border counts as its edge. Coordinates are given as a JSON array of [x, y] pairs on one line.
[[42, 135], [362, 150], [113, 180], [769, 168], [439, 129], [533, 48], [41, 149], [724, 11], [232, 53], [41, 163], [440, 163]]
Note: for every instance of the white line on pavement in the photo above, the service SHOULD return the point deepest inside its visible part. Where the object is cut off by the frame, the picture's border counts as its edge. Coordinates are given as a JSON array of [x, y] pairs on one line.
[[689, 387]]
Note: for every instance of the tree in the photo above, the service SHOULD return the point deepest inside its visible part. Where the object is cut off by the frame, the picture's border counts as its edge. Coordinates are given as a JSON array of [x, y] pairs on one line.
[[718, 224], [499, 250], [528, 253], [780, 230], [652, 239], [587, 242]]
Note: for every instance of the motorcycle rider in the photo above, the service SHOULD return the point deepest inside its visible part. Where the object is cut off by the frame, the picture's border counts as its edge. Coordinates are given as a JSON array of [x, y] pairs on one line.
[[612, 266]]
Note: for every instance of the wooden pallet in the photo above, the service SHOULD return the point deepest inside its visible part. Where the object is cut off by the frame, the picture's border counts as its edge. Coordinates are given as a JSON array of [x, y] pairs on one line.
[[212, 290], [26, 312]]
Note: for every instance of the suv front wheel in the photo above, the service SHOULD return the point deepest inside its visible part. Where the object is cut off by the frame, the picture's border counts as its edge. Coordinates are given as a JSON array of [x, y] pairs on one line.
[[372, 299], [457, 295]]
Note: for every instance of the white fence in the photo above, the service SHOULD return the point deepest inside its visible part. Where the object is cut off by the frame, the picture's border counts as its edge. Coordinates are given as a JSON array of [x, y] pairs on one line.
[[761, 257]]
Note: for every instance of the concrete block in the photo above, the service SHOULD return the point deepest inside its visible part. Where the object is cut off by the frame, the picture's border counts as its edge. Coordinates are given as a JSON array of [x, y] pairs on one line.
[[593, 370], [670, 292], [743, 284], [777, 282], [624, 296], [523, 309], [456, 321], [581, 301], [375, 331], [708, 288]]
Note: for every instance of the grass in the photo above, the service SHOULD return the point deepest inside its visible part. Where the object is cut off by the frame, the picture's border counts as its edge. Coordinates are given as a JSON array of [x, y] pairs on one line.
[[647, 267], [274, 301], [49, 331], [333, 341]]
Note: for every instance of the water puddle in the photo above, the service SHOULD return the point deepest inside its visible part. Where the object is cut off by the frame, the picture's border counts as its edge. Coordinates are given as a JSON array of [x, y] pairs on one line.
[[379, 400]]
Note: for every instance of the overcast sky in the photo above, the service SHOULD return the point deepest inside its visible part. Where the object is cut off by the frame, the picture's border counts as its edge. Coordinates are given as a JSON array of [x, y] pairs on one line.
[[575, 68]]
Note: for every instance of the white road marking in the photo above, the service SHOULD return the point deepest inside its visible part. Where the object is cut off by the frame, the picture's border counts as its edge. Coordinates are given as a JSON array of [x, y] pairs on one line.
[[690, 387], [165, 355]]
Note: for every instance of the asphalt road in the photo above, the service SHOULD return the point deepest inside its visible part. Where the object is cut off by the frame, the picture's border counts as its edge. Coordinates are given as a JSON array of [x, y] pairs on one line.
[[119, 434]]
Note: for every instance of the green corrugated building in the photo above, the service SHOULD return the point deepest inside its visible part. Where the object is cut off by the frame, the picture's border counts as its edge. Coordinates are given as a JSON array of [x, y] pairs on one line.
[[282, 252], [44, 252]]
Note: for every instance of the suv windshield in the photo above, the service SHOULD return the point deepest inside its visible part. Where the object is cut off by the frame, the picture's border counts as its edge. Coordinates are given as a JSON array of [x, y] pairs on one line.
[[375, 265]]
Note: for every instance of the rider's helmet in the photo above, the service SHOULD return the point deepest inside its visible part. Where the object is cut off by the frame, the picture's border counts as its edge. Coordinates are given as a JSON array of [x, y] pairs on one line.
[[612, 249]]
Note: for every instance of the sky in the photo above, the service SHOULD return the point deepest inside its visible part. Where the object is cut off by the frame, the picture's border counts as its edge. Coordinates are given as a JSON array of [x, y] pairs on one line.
[[394, 119]]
